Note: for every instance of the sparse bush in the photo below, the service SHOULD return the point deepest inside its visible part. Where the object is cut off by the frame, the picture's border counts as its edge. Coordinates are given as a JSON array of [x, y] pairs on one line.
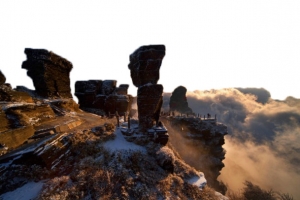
[[166, 159], [284, 196], [254, 192], [109, 126]]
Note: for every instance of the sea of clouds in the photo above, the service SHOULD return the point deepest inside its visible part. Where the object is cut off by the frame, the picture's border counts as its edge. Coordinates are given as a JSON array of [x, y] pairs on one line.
[[263, 144]]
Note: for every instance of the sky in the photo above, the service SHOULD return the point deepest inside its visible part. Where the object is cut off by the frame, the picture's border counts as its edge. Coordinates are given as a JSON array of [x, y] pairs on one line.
[[209, 44]]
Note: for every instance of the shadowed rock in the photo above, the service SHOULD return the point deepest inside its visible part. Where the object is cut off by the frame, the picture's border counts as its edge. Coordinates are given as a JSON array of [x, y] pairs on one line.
[[178, 101], [2, 78], [149, 101], [122, 89], [49, 72], [144, 67], [206, 138], [103, 96], [145, 63]]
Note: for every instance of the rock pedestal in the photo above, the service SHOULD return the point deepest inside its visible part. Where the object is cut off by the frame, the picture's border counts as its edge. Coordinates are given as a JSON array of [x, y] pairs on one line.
[[144, 67], [149, 103], [49, 72]]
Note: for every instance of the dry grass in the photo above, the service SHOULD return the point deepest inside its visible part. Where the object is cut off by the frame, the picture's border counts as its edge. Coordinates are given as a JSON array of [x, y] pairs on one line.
[[127, 174]]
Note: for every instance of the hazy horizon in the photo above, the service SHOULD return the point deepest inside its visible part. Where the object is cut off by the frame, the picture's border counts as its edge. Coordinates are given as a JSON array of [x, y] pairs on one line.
[[209, 45]]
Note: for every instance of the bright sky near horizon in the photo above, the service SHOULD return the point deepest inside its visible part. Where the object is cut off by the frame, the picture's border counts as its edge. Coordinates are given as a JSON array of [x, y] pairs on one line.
[[209, 44]]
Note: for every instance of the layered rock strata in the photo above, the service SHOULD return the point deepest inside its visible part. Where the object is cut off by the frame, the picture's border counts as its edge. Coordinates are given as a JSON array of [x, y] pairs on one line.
[[144, 68], [178, 101], [49, 73], [9, 94], [104, 96]]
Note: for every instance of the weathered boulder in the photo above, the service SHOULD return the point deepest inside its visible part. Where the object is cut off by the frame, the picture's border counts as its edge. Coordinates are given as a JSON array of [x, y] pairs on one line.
[[145, 63], [49, 72], [117, 103], [103, 95], [8, 94], [2, 78], [108, 86], [86, 92], [92, 86], [178, 101], [122, 89]]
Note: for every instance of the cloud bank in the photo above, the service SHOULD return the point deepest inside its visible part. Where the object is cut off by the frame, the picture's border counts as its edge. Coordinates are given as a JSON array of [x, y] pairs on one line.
[[263, 145]]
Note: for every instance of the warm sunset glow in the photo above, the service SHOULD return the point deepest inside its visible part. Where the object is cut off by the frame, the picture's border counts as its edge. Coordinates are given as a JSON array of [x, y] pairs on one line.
[[210, 44]]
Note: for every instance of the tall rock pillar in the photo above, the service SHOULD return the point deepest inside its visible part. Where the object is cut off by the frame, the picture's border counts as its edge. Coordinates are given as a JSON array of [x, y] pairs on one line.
[[144, 67]]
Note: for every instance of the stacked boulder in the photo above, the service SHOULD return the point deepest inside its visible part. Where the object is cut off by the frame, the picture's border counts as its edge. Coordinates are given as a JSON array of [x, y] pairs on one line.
[[103, 96], [178, 101], [144, 66], [49, 72]]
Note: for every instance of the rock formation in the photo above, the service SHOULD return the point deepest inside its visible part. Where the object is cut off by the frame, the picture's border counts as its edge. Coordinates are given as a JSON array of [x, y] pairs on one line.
[[178, 101], [206, 137], [103, 96], [2, 78], [8, 94], [144, 66], [49, 72]]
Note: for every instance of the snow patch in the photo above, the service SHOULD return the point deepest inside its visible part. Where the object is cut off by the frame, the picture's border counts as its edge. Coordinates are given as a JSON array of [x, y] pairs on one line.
[[198, 181], [28, 191], [120, 143]]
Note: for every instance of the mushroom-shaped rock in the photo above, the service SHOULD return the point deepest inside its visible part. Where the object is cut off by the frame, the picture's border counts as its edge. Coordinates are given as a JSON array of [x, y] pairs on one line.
[[145, 63]]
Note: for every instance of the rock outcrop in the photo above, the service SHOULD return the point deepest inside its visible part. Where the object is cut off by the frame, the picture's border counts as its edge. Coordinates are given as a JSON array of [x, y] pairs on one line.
[[104, 96], [206, 138], [2, 78], [9, 94], [144, 66], [49, 72], [178, 101]]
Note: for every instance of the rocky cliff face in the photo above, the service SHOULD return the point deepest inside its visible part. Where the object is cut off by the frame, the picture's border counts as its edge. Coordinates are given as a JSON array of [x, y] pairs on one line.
[[199, 142], [49, 73]]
